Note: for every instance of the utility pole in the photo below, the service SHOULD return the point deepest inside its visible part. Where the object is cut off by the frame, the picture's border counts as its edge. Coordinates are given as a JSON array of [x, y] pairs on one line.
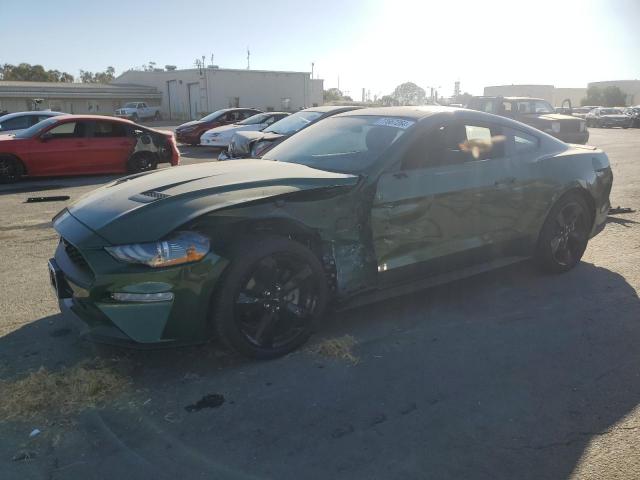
[[248, 57], [338, 82], [312, 65]]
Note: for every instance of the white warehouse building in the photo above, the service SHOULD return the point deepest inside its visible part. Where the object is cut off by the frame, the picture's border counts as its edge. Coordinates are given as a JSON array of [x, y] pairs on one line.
[[192, 93]]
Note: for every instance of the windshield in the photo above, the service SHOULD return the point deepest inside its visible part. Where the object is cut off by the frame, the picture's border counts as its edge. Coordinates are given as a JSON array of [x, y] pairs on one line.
[[37, 128], [256, 119], [534, 106], [610, 111], [293, 123], [342, 144], [212, 116]]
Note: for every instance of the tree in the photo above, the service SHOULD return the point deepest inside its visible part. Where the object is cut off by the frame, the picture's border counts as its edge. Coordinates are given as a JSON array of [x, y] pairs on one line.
[[32, 73], [98, 77], [610, 96], [409, 93], [388, 101], [332, 95]]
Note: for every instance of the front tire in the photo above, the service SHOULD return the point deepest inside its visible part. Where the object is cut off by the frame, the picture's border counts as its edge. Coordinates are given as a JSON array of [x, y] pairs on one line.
[[564, 235], [272, 296], [11, 169], [142, 162]]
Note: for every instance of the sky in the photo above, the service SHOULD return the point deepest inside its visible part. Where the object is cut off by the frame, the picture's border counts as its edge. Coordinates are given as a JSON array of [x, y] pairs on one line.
[[371, 44]]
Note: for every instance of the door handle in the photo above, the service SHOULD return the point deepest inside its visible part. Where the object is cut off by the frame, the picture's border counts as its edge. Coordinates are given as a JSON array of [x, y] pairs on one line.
[[505, 181]]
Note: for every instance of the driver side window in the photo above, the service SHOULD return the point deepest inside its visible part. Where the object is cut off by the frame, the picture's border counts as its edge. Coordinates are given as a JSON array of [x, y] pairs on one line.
[[67, 130], [454, 143]]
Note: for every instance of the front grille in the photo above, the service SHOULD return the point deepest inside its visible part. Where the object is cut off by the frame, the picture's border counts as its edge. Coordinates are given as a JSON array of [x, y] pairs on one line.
[[74, 254]]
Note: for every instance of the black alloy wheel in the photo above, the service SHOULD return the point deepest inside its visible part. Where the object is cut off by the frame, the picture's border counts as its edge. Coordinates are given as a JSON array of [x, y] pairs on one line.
[[277, 301], [271, 298], [565, 234], [142, 162], [10, 170]]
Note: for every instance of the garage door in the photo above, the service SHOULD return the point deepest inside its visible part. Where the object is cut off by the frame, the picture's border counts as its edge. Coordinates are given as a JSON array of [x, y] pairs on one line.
[[175, 112], [194, 94]]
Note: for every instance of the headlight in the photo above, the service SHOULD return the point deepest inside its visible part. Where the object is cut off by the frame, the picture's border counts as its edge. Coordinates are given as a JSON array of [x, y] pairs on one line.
[[178, 248], [555, 127]]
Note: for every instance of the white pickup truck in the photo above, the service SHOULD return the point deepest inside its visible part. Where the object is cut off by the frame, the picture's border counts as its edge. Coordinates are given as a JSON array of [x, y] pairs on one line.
[[138, 111]]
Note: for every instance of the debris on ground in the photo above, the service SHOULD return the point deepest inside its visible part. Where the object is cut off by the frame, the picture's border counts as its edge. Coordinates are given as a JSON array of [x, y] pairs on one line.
[[64, 392], [340, 348], [24, 455], [35, 432], [618, 210], [213, 400]]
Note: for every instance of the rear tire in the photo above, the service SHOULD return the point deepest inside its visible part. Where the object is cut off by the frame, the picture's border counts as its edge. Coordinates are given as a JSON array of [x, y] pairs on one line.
[[11, 169], [156, 117], [271, 297], [564, 235], [134, 118], [142, 162]]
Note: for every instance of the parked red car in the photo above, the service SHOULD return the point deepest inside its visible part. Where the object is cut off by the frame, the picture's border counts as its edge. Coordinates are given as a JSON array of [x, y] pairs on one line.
[[84, 144], [191, 132]]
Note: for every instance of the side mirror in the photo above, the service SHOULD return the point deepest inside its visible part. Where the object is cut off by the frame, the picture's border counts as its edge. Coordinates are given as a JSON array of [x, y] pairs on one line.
[[46, 136]]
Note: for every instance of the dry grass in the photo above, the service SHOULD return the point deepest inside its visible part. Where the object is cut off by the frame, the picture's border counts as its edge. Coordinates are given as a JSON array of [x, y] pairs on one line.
[[61, 393], [340, 348]]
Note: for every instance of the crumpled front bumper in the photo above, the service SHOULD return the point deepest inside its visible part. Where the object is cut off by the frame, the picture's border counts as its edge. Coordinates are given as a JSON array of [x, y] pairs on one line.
[[84, 277]]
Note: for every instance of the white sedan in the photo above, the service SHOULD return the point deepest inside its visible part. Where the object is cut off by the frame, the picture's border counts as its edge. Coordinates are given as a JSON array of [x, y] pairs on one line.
[[16, 122], [221, 136]]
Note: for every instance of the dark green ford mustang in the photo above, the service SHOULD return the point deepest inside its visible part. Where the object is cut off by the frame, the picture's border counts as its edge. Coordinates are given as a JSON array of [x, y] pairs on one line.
[[367, 201]]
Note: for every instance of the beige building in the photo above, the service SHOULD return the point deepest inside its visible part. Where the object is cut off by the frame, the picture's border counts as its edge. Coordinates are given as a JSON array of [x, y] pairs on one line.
[[631, 89], [93, 98], [553, 95], [192, 93]]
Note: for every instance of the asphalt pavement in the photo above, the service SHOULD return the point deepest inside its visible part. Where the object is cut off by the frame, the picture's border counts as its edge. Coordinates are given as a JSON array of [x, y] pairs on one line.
[[508, 375]]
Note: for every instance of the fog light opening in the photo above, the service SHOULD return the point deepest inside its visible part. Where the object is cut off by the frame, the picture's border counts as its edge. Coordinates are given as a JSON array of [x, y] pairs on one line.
[[142, 297]]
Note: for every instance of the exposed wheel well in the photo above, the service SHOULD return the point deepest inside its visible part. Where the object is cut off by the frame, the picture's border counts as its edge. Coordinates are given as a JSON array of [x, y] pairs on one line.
[[16, 159], [281, 227], [586, 196]]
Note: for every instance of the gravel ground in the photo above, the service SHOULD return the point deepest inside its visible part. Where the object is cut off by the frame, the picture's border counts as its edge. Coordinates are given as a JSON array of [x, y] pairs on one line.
[[511, 374]]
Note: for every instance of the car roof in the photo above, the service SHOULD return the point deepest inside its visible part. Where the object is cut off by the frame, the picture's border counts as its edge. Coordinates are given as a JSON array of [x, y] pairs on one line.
[[513, 98], [331, 108], [414, 112], [95, 117], [46, 113]]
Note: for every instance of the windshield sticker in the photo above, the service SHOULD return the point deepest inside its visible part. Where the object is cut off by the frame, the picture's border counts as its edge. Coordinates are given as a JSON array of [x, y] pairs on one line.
[[394, 122]]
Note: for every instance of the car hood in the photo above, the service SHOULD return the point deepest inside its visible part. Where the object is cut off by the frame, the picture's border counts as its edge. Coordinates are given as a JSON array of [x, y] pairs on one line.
[[241, 142], [553, 117], [145, 207], [192, 123]]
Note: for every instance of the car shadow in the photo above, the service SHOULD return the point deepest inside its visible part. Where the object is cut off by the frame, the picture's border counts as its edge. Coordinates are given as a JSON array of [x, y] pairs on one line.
[[199, 152], [621, 221], [509, 374], [42, 184]]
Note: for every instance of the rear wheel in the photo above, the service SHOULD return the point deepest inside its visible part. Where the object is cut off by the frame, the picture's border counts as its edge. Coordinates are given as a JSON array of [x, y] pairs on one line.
[[11, 169], [273, 294], [564, 235], [156, 116], [142, 162], [135, 118]]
